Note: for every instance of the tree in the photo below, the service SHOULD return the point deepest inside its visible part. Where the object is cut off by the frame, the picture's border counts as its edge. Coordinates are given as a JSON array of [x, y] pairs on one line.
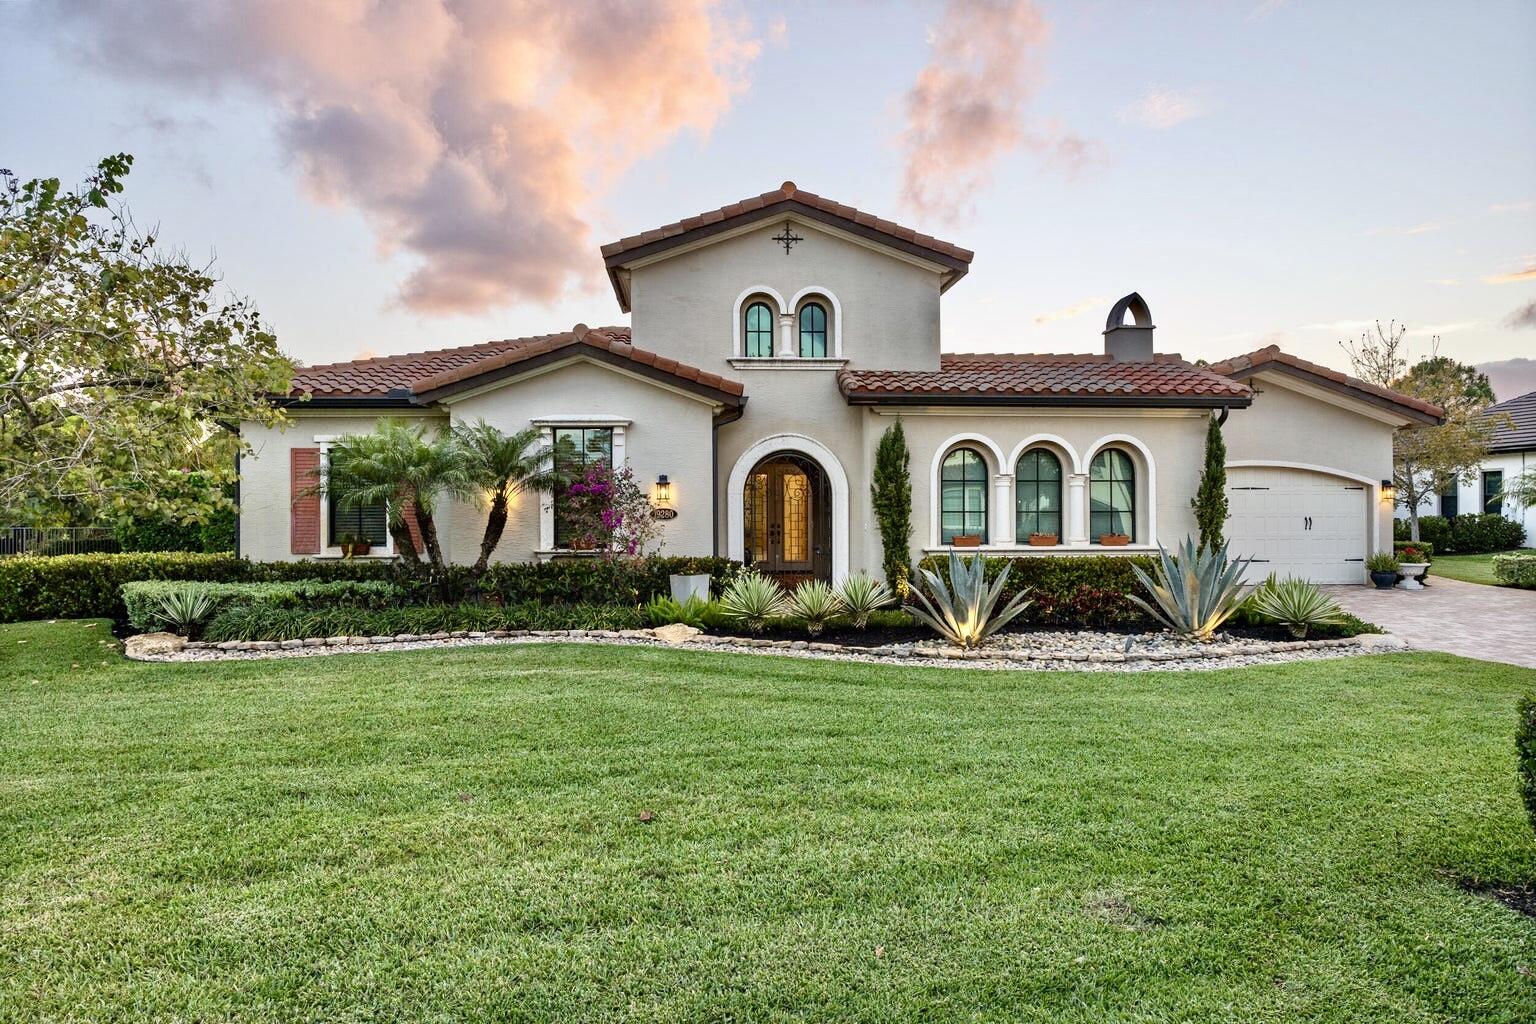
[[890, 493], [1210, 501], [397, 466], [121, 377], [503, 465], [1426, 458], [1521, 491]]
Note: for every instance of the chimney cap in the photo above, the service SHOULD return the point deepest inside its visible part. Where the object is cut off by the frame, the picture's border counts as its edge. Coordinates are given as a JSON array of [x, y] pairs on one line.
[[1136, 305]]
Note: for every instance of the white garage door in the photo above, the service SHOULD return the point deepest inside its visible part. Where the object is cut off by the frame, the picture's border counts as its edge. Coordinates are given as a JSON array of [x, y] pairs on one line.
[[1294, 522]]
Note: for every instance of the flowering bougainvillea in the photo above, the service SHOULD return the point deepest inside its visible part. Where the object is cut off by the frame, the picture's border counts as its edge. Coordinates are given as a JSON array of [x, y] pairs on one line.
[[608, 511]]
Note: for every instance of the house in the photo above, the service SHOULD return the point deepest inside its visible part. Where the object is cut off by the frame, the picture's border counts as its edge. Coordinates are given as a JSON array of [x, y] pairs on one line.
[[1512, 453], [771, 344]]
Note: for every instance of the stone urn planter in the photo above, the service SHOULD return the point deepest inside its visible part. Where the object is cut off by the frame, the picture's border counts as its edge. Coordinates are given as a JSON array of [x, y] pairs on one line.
[[689, 585], [1411, 572]]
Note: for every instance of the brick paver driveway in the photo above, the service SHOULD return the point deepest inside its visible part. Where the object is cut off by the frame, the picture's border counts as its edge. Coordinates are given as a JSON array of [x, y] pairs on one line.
[[1470, 619]]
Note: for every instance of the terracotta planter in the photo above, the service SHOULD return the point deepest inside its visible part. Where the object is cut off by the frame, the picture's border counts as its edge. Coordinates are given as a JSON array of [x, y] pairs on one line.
[[1043, 540], [355, 550], [1114, 540], [966, 540]]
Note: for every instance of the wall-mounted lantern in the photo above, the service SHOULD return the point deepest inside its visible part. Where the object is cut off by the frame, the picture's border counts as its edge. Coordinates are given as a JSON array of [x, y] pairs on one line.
[[1388, 492], [661, 499]]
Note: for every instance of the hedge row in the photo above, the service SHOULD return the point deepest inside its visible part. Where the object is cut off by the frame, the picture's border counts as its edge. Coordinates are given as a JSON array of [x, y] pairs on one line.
[[142, 599], [1470, 534], [1515, 570], [266, 622], [1069, 590]]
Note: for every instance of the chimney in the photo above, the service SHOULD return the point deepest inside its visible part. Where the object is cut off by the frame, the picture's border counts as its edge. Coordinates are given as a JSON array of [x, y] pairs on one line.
[[1129, 343]]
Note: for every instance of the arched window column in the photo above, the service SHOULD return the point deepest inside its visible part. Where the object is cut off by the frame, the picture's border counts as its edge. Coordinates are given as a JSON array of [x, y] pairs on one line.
[[1003, 521]]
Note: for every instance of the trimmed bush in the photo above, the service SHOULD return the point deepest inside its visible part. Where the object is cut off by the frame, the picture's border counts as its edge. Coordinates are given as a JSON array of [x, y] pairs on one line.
[[599, 580], [267, 622], [88, 586], [160, 535], [1525, 752], [1080, 591], [1515, 570], [142, 601], [1470, 534]]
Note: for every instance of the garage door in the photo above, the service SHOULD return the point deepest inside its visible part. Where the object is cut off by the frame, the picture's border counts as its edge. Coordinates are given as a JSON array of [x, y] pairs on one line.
[[1294, 522]]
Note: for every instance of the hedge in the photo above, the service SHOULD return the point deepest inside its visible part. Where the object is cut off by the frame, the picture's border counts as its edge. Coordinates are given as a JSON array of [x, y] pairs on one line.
[[598, 580], [88, 586], [1470, 534], [1068, 590], [1515, 570], [1525, 751], [142, 599], [266, 622]]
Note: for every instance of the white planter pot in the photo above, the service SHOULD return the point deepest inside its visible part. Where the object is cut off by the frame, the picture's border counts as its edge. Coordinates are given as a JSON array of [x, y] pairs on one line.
[[1409, 571], [684, 587]]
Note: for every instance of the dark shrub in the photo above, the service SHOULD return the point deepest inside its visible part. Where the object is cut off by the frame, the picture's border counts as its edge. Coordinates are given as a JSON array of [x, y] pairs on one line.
[[598, 580], [160, 535], [1076, 591], [1476, 534], [266, 622], [1434, 530], [88, 586], [142, 599], [1422, 547], [1525, 751]]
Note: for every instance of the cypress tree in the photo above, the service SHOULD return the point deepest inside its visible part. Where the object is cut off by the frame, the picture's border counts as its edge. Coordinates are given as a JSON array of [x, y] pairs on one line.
[[891, 494], [1210, 501]]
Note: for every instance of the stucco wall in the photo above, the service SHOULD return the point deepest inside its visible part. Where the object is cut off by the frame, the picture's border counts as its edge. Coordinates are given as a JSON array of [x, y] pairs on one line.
[[685, 307], [265, 491], [1469, 495], [668, 433], [1287, 427]]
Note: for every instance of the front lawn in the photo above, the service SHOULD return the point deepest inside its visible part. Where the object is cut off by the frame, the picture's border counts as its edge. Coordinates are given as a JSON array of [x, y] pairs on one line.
[[1470, 568], [592, 833]]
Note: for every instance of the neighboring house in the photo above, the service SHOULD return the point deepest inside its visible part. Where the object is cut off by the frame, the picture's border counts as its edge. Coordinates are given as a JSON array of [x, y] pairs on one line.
[[1512, 451], [772, 343]]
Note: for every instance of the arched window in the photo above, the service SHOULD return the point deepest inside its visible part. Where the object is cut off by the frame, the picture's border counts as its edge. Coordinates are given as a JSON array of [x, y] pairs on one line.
[[1111, 495], [1037, 494], [813, 331], [759, 330], [963, 496]]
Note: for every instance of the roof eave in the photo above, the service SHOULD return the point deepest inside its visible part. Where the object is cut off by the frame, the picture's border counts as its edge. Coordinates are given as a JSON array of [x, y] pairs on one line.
[[1318, 380], [565, 352], [1058, 401]]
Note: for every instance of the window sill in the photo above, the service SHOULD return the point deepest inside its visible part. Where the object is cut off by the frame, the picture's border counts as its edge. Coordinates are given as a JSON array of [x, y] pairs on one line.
[[786, 363], [1055, 549], [331, 556]]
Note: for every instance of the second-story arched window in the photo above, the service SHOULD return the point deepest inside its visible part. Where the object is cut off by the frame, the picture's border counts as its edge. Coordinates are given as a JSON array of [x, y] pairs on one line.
[[758, 330], [813, 331]]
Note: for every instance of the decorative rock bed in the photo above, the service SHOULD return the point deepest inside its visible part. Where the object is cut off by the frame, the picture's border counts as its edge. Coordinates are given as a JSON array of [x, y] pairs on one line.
[[1037, 651]]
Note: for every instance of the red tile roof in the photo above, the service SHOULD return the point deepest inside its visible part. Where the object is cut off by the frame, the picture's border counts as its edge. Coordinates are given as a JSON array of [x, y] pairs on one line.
[[787, 198], [1024, 379], [416, 374], [1246, 365]]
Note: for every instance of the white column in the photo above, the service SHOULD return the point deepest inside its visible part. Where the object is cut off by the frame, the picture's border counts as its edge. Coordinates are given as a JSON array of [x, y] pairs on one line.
[[787, 347], [1077, 511], [618, 448], [546, 500], [1003, 519]]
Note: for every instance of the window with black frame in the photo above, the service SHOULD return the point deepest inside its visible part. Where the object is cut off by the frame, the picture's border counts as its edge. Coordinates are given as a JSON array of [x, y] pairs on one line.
[[357, 523], [1111, 495], [757, 331], [963, 496], [1037, 494], [1493, 487], [813, 331], [576, 449]]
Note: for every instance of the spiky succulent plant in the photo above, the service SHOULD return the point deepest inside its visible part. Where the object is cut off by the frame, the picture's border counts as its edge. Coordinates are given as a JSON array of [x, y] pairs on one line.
[[964, 611]]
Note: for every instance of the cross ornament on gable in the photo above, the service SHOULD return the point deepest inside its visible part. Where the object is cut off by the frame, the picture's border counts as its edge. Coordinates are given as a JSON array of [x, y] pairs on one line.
[[787, 238]]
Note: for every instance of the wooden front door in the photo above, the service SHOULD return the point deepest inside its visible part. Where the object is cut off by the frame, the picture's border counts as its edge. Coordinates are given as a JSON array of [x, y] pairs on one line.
[[780, 517]]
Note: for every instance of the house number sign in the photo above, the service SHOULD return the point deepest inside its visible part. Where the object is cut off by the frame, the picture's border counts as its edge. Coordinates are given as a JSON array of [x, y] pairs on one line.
[[663, 513]]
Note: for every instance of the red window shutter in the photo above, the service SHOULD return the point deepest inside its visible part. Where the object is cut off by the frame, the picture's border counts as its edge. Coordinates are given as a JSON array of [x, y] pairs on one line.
[[408, 510], [304, 473]]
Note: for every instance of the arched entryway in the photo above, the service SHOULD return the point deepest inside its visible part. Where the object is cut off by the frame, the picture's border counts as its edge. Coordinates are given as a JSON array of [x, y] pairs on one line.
[[787, 518], [826, 511]]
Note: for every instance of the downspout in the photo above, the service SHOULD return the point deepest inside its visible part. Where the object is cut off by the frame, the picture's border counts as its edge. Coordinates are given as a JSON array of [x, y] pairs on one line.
[[1221, 420], [729, 415]]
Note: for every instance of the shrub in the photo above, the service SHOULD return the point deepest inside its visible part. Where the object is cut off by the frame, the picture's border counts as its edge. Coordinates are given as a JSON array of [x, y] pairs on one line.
[[142, 600], [862, 594], [1194, 591], [1074, 591], [1434, 531], [1478, 534], [159, 535], [1295, 604], [752, 600], [184, 611], [814, 604], [599, 580], [1515, 570], [664, 611], [1381, 561], [266, 622], [890, 496], [88, 586], [1414, 550], [1525, 751]]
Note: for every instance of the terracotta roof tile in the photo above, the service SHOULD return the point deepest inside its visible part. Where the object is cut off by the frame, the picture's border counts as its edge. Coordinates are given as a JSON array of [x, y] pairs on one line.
[[1252, 362], [420, 372], [993, 376]]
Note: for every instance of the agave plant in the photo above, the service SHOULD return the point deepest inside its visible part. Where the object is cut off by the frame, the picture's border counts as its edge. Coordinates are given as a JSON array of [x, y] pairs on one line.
[[752, 599], [184, 610], [862, 594], [814, 603], [1194, 591], [964, 611], [1295, 604]]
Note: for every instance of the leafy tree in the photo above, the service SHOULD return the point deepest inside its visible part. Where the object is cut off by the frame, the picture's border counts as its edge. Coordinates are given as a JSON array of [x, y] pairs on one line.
[[1427, 458], [891, 494], [1521, 491], [121, 376], [503, 465], [1210, 501], [397, 466]]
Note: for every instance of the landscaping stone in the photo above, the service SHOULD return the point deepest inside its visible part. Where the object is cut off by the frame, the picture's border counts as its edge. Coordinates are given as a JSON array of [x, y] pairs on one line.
[[153, 645], [1382, 642], [289, 645], [676, 633]]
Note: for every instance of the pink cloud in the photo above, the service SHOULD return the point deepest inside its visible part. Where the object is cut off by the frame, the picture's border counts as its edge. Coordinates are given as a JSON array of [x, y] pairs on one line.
[[967, 108], [473, 134]]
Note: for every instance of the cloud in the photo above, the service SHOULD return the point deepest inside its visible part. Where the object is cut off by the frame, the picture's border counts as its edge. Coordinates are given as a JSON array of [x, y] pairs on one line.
[[1163, 108], [1526, 273], [1511, 377], [966, 109], [1068, 312], [1339, 325], [1423, 228], [1265, 9], [1518, 207], [1525, 316], [1455, 328], [473, 134]]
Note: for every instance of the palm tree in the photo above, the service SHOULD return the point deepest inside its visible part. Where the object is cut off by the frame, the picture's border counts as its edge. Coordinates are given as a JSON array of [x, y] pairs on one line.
[[503, 464], [398, 466]]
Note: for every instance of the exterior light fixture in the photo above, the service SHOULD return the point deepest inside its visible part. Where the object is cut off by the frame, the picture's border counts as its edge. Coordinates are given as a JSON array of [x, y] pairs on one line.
[[1388, 492], [663, 490]]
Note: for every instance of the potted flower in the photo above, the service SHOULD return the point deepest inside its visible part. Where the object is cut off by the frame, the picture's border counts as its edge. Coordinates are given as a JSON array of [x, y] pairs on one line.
[[1114, 540], [352, 545], [1413, 563], [966, 540], [1383, 568], [1042, 540]]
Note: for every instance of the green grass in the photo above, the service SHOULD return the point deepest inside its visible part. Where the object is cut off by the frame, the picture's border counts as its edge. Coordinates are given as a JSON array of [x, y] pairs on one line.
[[1469, 568], [457, 836]]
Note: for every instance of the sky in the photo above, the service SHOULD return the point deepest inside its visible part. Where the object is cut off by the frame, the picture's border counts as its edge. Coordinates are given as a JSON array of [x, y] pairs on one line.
[[395, 176]]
